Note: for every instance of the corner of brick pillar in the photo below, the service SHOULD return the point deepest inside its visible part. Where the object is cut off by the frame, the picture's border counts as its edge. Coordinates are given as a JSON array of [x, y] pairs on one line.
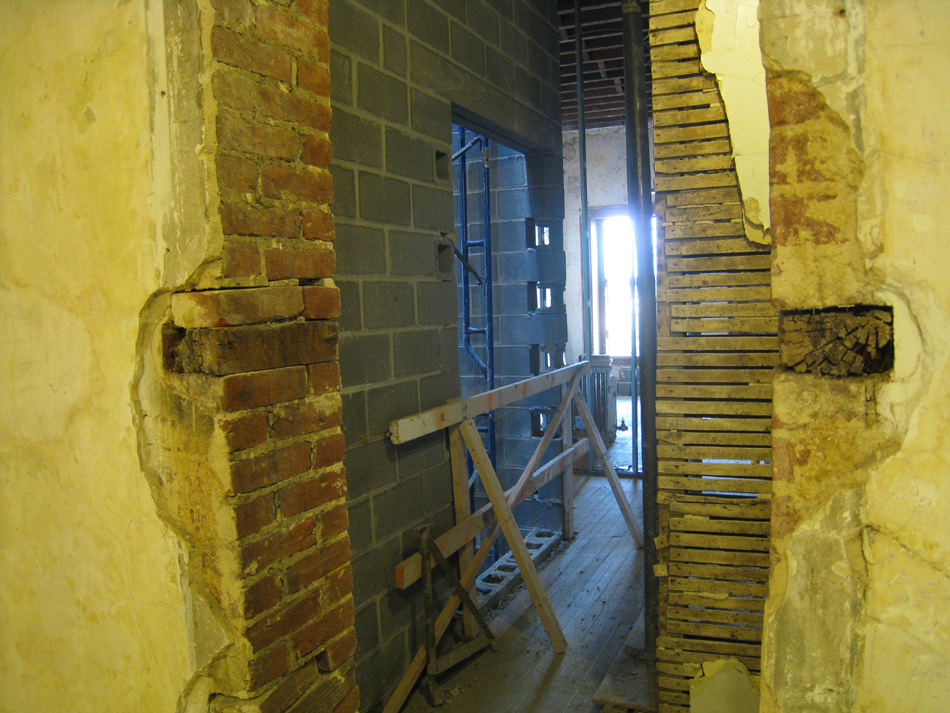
[[254, 347]]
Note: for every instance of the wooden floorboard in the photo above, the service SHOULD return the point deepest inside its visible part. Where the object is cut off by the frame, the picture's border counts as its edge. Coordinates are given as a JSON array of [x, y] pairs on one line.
[[596, 588]]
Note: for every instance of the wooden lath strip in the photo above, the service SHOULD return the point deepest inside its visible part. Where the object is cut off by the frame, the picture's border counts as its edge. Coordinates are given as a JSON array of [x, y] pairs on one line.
[[718, 344], [714, 438], [752, 559], [712, 424], [717, 470]]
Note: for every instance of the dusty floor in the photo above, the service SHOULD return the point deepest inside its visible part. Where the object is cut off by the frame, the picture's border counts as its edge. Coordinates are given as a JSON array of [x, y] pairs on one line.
[[596, 587]]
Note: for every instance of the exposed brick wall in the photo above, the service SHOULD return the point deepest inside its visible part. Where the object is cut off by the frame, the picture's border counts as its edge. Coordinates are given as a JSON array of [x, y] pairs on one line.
[[399, 70], [265, 340]]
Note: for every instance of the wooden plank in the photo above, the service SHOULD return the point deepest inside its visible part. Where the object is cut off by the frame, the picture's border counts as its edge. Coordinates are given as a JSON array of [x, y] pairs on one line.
[[739, 508], [665, 696], [509, 526], [601, 451], [752, 663], [680, 85], [462, 504], [732, 392], [725, 360], [718, 264], [688, 423], [672, 52], [699, 376], [704, 97], [667, 482], [630, 684], [725, 527], [723, 280], [722, 542], [732, 470], [720, 294], [719, 648], [662, 70], [407, 429], [704, 196], [695, 180], [685, 117], [679, 134], [662, 7], [714, 452], [680, 19], [707, 438], [736, 325], [723, 311], [722, 631], [718, 344], [714, 162], [731, 229], [689, 670], [726, 572], [673, 35], [713, 408], [716, 616], [672, 684], [410, 569], [695, 599]]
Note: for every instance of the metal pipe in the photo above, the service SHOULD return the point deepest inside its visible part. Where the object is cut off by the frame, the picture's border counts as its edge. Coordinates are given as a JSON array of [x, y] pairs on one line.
[[488, 287], [639, 204], [582, 168]]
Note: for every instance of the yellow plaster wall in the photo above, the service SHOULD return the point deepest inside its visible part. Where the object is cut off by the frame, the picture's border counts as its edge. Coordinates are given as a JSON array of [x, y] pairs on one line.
[[92, 612]]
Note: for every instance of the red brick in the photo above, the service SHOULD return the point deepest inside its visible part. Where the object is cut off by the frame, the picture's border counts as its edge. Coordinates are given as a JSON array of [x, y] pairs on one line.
[[338, 585], [307, 417], [311, 263], [252, 517], [280, 27], [321, 302], [317, 151], [222, 308], [234, 90], [268, 666], [333, 521], [351, 702], [792, 101], [240, 134], [285, 620], [245, 432], [263, 388], [284, 106], [231, 48], [259, 555], [247, 219], [328, 451], [335, 654], [324, 377], [234, 12], [297, 498], [318, 225], [255, 473], [310, 186], [317, 565], [327, 627], [314, 10], [236, 174], [313, 77], [261, 596], [311, 692], [240, 259], [258, 347]]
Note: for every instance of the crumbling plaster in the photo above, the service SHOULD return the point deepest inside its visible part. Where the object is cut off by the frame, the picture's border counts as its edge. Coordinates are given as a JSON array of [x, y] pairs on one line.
[[856, 619]]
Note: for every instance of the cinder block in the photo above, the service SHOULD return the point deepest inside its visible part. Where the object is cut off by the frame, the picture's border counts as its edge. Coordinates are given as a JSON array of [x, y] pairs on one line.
[[416, 352], [514, 41], [360, 250], [412, 254], [384, 199], [381, 670], [341, 70], [354, 418], [373, 571], [421, 454], [431, 116], [391, 402], [364, 359], [354, 30], [351, 306], [428, 24], [398, 508], [409, 156], [437, 303], [367, 629], [344, 191], [512, 203], [487, 24], [356, 139], [370, 467], [395, 53], [382, 95], [467, 49], [388, 304], [432, 208], [437, 389]]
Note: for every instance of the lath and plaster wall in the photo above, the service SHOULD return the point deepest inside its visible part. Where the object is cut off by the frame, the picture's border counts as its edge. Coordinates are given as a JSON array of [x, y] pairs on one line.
[[400, 71], [174, 511], [860, 151]]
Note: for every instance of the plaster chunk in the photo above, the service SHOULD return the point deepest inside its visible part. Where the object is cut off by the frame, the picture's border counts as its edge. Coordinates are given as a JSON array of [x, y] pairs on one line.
[[724, 687], [728, 32]]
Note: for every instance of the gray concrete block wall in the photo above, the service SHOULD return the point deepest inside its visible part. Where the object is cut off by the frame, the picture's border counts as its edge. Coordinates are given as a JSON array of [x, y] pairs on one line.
[[399, 68]]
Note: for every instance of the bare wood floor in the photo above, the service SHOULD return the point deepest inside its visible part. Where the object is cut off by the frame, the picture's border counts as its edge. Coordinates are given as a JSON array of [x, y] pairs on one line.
[[596, 588]]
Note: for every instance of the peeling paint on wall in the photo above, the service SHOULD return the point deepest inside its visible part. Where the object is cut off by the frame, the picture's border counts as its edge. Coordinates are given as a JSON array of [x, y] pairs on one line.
[[728, 32]]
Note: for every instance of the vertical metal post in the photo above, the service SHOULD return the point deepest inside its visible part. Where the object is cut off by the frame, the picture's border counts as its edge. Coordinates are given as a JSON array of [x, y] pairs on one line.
[[640, 205], [582, 168], [489, 288]]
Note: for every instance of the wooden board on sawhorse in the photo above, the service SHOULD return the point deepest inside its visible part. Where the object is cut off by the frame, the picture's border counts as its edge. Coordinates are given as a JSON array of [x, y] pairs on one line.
[[630, 685]]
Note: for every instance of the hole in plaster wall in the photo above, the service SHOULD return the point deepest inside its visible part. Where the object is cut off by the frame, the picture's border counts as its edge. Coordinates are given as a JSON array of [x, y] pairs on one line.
[[855, 340]]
